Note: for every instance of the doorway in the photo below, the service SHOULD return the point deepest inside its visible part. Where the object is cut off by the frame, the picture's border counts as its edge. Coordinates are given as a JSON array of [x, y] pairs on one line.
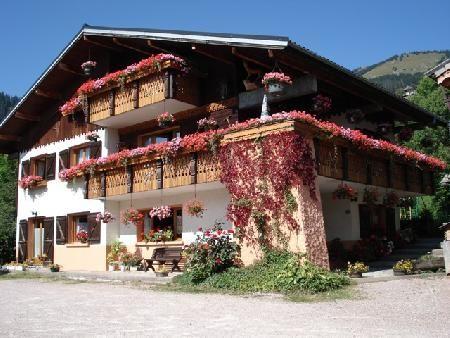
[[40, 238]]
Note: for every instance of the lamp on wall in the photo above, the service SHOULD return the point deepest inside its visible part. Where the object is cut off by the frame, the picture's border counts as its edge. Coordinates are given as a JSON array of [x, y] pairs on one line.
[[34, 213]]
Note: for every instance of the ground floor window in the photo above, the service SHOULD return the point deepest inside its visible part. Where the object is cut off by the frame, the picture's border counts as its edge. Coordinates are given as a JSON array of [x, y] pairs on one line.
[[150, 225], [376, 220], [84, 223]]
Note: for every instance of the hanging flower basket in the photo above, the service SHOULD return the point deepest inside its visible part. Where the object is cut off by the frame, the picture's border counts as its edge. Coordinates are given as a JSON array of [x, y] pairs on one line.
[[92, 136], [82, 236], [345, 192], [391, 200], [194, 208], [162, 212], [207, 124], [371, 196], [105, 217], [275, 82], [30, 181], [165, 119], [321, 104], [88, 67], [132, 216]]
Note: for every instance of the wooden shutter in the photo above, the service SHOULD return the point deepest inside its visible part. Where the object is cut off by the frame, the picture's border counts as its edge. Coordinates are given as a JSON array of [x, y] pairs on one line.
[[64, 159], [94, 229], [25, 169], [61, 229], [96, 149], [50, 167], [23, 238], [48, 237]]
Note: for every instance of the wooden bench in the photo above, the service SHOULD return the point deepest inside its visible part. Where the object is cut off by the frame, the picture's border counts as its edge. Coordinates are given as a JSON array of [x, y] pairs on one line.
[[163, 255]]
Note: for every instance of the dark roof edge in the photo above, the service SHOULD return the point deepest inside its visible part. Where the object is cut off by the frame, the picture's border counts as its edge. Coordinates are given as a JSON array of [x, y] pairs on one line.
[[363, 80]]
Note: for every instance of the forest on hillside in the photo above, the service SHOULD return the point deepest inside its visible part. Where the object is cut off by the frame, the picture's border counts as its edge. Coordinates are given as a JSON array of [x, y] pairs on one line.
[[8, 188]]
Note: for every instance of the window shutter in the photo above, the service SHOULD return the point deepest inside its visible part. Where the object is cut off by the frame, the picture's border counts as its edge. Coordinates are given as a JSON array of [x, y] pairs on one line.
[[96, 149], [23, 237], [48, 237], [25, 169], [61, 229], [94, 229], [64, 159], [50, 167]]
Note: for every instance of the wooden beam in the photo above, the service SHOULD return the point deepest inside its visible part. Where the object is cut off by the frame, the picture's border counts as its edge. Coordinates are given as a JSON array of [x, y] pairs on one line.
[[47, 94], [240, 53], [26, 117], [100, 44], [11, 138], [159, 48], [122, 44], [69, 69], [203, 50]]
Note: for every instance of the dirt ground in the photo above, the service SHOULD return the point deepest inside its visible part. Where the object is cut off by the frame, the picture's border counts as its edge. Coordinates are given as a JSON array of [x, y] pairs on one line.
[[408, 307]]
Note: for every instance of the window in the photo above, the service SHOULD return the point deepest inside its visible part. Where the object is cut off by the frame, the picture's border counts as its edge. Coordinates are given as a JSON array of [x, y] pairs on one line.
[[83, 152], [39, 167], [43, 166], [87, 222], [173, 223], [158, 137]]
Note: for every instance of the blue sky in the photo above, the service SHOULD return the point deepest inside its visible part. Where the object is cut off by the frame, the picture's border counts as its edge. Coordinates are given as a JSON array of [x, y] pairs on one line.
[[351, 33]]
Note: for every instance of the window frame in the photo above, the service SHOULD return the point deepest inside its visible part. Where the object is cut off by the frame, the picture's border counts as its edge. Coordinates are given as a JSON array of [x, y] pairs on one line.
[[140, 228], [172, 130]]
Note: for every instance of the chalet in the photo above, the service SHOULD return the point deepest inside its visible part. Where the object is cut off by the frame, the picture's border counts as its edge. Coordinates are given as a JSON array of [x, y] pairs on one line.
[[163, 132]]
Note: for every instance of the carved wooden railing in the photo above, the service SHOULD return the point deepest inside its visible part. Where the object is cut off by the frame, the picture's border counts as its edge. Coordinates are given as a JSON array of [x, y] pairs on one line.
[[143, 90], [337, 161], [184, 169]]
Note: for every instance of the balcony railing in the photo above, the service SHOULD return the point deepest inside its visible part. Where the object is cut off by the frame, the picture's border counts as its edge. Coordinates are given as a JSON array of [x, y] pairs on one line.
[[183, 170], [145, 90]]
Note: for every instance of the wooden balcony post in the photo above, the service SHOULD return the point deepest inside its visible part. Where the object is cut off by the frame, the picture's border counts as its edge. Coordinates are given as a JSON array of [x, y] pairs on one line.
[[193, 168], [129, 173], [317, 154], [135, 93], [168, 85], [86, 110], [344, 155], [86, 186], [159, 174], [111, 102], [103, 184]]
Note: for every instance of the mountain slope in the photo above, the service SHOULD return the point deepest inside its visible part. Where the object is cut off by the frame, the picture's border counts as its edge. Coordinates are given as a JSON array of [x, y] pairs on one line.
[[403, 70], [6, 104]]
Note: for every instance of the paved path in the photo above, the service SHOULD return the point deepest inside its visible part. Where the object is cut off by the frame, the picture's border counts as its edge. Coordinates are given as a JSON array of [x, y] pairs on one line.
[[407, 307]]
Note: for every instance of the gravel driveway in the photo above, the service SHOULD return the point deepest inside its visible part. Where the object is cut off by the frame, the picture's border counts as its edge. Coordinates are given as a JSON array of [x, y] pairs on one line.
[[409, 307]]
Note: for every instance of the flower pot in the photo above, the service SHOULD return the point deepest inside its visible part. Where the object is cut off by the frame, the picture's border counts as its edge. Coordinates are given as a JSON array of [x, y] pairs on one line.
[[87, 69], [162, 273], [399, 273], [111, 267], [55, 269], [275, 89], [133, 268], [356, 275], [123, 268]]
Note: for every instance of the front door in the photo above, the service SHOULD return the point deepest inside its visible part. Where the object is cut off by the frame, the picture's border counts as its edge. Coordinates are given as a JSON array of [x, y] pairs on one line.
[[41, 239]]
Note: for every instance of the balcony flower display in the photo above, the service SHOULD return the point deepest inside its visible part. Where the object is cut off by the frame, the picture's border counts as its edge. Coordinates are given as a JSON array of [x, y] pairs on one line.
[[30, 181], [82, 236], [207, 124], [274, 82], [88, 66], [151, 64], [345, 192], [131, 216], [371, 196], [321, 104], [163, 211], [106, 217], [194, 208], [165, 119], [391, 199]]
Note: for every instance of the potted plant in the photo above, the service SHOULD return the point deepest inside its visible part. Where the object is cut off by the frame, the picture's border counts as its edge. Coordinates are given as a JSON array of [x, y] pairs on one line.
[[92, 136], [194, 208], [162, 212], [82, 236], [88, 66], [125, 260], [275, 82], [207, 124], [344, 191], [131, 215], [55, 267], [356, 269], [113, 255], [161, 271], [30, 181], [106, 217], [403, 267], [165, 119]]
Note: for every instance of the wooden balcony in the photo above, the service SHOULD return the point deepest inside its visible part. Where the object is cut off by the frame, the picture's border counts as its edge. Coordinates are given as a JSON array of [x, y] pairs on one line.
[[341, 163], [144, 97], [155, 174]]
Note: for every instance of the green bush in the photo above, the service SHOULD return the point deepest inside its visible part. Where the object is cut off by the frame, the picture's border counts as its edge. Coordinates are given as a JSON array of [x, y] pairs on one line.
[[279, 271]]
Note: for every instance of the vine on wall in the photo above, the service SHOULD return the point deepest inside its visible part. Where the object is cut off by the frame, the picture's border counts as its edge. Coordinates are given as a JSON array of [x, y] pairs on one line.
[[259, 175]]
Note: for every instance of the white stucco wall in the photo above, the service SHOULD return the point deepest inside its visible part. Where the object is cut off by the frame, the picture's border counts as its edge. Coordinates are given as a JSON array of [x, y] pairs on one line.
[[215, 202]]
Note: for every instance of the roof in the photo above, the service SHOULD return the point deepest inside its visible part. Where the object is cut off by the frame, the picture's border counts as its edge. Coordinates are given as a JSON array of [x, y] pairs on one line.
[[439, 69], [280, 43]]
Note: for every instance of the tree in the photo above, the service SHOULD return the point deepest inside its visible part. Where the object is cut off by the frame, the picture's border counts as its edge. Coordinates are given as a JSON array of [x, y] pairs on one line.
[[434, 140]]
